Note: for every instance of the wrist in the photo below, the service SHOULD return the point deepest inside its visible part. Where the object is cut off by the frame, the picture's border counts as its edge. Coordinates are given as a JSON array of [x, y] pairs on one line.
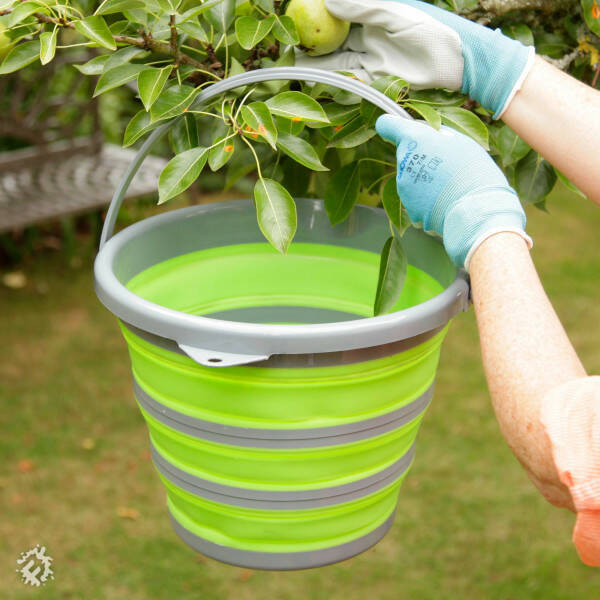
[[514, 234], [503, 247]]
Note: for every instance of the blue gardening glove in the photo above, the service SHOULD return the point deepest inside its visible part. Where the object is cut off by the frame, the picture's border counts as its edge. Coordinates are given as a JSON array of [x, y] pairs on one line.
[[430, 48], [451, 185]]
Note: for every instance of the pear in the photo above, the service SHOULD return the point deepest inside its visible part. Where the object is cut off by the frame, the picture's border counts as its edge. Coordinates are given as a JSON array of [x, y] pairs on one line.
[[320, 32]]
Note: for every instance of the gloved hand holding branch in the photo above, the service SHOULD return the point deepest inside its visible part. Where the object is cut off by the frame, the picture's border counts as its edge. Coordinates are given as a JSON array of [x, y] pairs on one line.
[[546, 406]]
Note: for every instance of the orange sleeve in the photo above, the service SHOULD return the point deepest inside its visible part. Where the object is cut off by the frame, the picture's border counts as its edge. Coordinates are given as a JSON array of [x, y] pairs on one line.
[[571, 418]]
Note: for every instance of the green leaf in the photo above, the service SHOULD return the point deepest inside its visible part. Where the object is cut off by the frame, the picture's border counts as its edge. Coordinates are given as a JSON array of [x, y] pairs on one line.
[[236, 68], [284, 30], [163, 6], [151, 82], [181, 171], [296, 178], [118, 76], [109, 7], [569, 184], [95, 28], [438, 97], [341, 193], [554, 45], [534, 178], [301, 151], [48, 45], [21, 12], [297, 106], [591, 13], [250, 31], [520, 32], [197, 10], [95, 66], [139, 125], [339, 114], [392, 274], [266, 5], [393, 87], [258, 117], [352, 134], [120, 27], [510, 146], [194, 30], [241, 164], [393, 206], [221, 151], [369, 113], [20, 56], [276, 213], [289, 126], [220, 14], [137, 16], [465, 122], [184, 134], [427, 112], [173, 101], [124, 55]]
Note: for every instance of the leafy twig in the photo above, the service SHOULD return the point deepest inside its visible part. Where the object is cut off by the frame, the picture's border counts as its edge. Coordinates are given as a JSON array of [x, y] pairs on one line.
[[173, 40]]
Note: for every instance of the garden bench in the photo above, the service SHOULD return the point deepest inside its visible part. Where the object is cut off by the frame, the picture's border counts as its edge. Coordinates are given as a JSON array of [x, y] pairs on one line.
[[65, 167]]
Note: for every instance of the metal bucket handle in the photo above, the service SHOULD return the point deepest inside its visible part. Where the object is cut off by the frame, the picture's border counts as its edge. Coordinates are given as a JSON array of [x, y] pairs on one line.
[[274, 74]]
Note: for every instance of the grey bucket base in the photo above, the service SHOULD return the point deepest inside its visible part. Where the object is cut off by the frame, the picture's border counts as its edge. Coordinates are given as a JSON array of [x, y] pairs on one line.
[[284, 561]]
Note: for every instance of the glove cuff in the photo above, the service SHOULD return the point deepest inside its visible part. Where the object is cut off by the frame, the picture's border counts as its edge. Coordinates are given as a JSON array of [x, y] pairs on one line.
[[479, 215], [488, 234], [517, 86], [495, 68]]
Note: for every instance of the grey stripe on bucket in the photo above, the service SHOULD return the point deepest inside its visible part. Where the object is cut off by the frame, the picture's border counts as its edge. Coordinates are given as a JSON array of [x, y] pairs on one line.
[[282, 438], [279, 499], [282, 561], [299, 361]]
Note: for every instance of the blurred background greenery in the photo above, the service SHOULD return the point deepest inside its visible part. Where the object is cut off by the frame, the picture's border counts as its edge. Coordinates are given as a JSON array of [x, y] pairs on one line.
[[76, 477]]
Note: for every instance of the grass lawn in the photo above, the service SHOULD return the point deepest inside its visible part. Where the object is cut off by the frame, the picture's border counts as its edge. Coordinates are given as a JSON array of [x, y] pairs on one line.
[[76, 477]]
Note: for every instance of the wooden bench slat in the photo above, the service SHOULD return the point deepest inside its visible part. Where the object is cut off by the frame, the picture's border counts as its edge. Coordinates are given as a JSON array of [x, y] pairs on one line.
[[66, 182]]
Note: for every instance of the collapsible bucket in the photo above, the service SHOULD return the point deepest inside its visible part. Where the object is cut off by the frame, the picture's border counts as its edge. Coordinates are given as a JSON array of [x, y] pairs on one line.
[[282, 417]]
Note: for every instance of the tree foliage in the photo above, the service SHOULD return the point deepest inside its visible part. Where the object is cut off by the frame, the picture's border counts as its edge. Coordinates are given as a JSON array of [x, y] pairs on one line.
[[296, 139]]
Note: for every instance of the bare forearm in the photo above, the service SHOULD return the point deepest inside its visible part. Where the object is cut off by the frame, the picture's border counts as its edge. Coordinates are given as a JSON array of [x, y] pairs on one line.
[[559, 117], [526, 352]]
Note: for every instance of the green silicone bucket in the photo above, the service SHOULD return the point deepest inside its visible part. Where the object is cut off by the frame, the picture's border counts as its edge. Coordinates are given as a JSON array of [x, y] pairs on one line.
[[282, 416]]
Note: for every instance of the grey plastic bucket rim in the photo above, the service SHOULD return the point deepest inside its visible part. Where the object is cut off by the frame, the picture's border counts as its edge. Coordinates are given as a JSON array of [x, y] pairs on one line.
[[219, 343]]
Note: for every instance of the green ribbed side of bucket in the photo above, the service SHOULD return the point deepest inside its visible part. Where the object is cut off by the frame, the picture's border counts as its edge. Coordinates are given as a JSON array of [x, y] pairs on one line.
[[284, 398], [329, 277], [248, 275], [281, 531], [276, 469]]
